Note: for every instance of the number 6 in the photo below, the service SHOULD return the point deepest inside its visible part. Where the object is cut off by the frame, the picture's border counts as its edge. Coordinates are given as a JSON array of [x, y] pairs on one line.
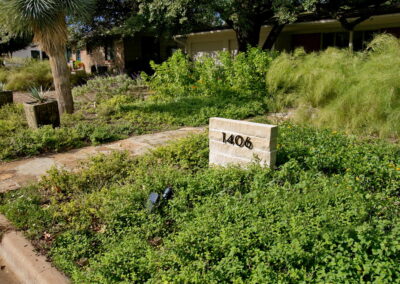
[[248, 143]]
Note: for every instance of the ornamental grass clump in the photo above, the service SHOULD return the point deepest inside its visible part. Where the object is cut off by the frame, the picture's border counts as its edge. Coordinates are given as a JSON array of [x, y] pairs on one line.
[[358, 92], [27, 74]]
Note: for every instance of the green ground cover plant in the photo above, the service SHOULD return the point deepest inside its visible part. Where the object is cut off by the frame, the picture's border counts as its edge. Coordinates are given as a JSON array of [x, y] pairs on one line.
[[358, 92], [329, 213]]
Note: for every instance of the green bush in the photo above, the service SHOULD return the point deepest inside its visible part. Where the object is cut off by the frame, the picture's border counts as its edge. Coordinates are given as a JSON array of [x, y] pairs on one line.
[[335, 88], [103, 88], [223, 75], [328, 213], [79, 78]]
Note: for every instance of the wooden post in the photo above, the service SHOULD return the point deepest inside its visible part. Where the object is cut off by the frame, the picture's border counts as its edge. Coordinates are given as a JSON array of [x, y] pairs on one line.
[[351, 39]]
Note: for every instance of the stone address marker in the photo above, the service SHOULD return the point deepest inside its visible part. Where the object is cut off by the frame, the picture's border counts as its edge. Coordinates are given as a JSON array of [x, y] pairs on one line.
[[241, 142]]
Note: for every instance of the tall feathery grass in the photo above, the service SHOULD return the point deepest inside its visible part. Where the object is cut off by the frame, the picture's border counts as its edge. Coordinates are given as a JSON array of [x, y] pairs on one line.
[[357, 92], [22, 75]]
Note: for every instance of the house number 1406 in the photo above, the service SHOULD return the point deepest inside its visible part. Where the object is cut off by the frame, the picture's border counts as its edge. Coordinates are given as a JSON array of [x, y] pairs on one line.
[[237, 140]]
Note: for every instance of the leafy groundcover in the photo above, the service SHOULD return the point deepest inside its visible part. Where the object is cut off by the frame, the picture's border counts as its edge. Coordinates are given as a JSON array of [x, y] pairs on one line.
[[328, 213]]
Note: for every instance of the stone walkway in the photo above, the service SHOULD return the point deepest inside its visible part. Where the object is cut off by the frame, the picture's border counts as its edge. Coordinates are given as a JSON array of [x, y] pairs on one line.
[[7, 276], [17, 174]]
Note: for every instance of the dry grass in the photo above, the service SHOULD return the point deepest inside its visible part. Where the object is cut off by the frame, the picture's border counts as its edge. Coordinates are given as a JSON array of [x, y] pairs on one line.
[[357, 92]]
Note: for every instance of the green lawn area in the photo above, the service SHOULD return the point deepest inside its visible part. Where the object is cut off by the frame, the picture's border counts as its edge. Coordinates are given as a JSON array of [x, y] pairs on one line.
[[329, 213]]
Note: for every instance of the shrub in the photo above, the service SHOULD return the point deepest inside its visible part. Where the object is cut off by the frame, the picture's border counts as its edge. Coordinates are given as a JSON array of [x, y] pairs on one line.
[[334, 88], [79, 78], [222, 75], [103, 88]]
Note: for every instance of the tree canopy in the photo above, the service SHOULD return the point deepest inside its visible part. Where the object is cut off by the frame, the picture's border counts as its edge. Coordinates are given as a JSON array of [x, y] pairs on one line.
[[9, 43], [245, 17], [350, 13], [110, 18]]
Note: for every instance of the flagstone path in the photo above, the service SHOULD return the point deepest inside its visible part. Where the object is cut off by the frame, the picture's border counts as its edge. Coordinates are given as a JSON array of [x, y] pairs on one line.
[[14, 175], [7, 276]]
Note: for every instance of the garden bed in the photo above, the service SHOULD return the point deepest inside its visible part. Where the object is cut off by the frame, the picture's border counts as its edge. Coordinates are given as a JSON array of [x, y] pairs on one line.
[[110, 109], [328, 213], [326, 89]]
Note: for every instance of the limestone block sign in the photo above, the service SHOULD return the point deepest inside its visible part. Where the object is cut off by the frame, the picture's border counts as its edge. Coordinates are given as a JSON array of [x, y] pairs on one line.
[[242, 142]]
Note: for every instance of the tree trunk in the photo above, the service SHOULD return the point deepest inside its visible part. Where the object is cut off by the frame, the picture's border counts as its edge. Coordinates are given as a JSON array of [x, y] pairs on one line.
[[273, 36], [249, 37], [351, 40], [61, 78]]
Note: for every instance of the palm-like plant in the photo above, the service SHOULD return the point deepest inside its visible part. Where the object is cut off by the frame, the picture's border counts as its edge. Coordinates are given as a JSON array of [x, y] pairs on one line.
[[46, 21]]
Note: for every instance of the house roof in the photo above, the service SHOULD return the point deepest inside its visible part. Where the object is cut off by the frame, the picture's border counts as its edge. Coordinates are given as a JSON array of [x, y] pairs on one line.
[[305, 19]]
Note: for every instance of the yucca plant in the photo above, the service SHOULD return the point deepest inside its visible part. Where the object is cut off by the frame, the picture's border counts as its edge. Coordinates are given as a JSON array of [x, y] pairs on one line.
[[38, 94], [46, 21]]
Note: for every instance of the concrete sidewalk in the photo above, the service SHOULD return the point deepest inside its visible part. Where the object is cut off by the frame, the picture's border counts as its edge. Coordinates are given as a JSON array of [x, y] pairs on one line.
[[17, 174]]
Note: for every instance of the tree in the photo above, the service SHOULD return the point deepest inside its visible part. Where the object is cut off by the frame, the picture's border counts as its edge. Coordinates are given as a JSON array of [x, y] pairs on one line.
[[110, 19], [245, 17], [46, 20], [351, 13]]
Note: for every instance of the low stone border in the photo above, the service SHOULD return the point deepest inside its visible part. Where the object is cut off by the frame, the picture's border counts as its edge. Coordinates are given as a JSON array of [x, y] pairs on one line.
[[22, 259]]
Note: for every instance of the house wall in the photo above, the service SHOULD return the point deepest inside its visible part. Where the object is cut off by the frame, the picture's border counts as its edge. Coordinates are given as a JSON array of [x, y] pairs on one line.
[[307, 34], [131, 54], [142, 48], [27, 52], [97, 57]]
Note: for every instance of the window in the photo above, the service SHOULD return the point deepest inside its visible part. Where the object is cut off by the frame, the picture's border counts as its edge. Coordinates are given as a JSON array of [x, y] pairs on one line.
[[109, 51], [342, 40], [78, 55], [328, 39], [358, 41], [35, 54]]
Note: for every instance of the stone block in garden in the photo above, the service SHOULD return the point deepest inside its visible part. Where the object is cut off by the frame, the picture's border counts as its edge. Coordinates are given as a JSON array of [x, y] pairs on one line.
[[6, 97], [242, 142], [42, 113]]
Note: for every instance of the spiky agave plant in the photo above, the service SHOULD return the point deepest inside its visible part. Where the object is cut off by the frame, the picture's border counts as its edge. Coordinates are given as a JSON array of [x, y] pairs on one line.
[[46, 21], [38, 94]]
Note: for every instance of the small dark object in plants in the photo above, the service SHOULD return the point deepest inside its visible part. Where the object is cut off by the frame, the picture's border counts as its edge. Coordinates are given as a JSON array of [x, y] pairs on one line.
[[168, 193], [153, 201]]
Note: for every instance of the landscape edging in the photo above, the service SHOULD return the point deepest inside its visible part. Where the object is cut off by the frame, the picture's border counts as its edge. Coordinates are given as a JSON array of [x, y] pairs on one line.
[[21, 258]]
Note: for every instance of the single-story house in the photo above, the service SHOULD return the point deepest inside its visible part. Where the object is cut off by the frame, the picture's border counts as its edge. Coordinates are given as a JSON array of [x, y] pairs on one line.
[[132, 54], [126, 55], [313, 36]]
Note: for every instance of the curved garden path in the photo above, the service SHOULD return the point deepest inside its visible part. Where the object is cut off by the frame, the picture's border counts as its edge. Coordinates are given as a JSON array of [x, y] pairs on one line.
[[16, 174]]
